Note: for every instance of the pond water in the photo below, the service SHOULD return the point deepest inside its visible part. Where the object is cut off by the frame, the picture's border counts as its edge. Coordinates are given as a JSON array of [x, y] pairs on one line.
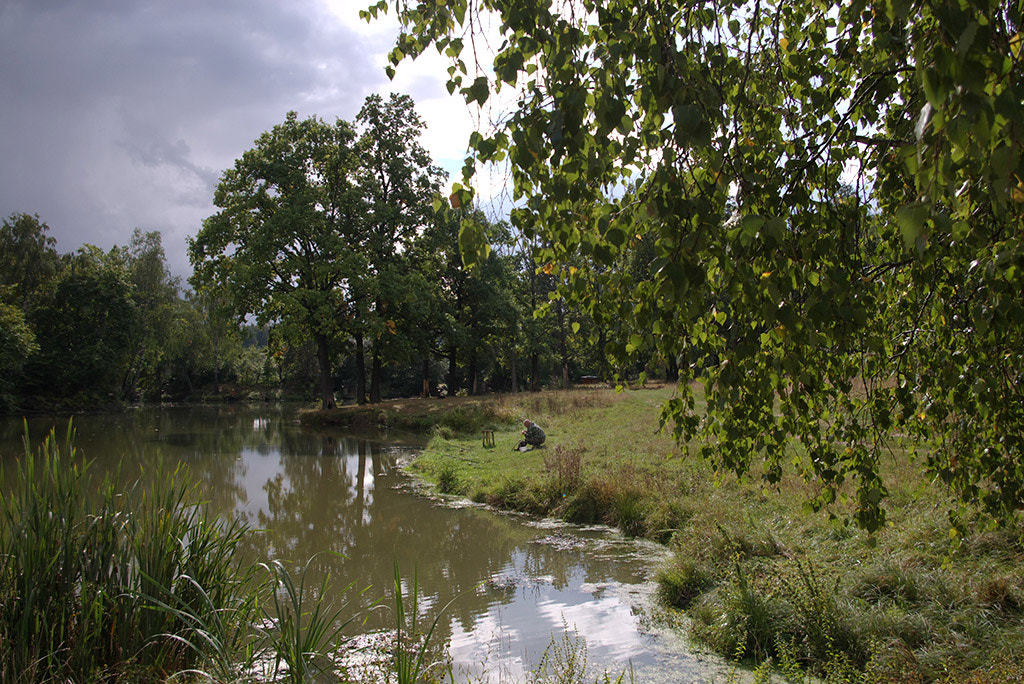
[[518, 582]]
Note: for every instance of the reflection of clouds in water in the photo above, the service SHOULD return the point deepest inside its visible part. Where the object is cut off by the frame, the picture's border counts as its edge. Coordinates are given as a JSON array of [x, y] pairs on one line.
[[262, 469], [607, 623], [529, 611], [490, 641], [259, 467]]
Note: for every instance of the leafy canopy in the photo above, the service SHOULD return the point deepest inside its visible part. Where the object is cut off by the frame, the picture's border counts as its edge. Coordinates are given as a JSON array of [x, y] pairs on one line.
[[280, 240], [835, 195]]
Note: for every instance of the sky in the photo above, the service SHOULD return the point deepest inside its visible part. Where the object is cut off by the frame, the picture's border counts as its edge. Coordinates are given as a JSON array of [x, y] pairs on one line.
[[119, 114]]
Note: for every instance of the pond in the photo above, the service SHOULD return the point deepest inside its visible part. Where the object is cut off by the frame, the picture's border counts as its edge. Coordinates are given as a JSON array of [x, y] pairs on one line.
[[518, 583]]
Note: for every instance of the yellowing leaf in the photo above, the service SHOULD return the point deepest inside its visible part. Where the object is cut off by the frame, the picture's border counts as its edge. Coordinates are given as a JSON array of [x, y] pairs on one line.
[[1017, 194], [784, 44]]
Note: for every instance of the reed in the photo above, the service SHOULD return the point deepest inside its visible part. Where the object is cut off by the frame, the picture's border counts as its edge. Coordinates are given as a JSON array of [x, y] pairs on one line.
[[305, 627], [411, 664], [103, 581]]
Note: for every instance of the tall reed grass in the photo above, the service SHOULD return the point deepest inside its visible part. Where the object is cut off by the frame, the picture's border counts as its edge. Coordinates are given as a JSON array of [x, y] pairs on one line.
[[110, 581]]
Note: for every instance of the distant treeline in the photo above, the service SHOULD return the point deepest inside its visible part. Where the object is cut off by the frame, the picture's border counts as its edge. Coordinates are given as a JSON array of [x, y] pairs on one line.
[[94, 329]]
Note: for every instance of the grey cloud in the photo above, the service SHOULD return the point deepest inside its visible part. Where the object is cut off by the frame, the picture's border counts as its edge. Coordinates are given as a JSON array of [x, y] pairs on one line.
[[123, 113]]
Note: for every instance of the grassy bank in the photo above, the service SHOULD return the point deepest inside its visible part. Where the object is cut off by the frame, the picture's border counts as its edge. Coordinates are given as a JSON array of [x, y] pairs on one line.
[[759, 578], [458, 415]]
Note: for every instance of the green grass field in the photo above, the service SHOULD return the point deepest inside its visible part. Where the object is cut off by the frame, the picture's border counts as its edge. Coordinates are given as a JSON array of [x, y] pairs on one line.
[[760, 578]]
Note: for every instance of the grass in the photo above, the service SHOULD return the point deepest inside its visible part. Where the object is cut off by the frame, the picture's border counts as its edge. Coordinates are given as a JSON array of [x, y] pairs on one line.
[[761, 579]]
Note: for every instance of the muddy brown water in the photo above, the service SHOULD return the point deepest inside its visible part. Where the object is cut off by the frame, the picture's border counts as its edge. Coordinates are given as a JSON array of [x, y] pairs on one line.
[[518, 583]]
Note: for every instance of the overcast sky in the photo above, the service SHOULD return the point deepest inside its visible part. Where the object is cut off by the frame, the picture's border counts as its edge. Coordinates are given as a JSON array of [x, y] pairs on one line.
[[119, 114]]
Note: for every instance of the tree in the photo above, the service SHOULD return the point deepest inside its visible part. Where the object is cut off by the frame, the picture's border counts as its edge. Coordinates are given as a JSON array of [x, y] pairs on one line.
[[87, 329], [731, 129], [28, 258], [467, 313], [398, 182], [155, 294], [17, 343], [283, 241]]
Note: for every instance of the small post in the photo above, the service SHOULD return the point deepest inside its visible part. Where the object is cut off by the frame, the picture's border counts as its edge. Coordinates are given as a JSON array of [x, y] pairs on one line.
[[488, 438]]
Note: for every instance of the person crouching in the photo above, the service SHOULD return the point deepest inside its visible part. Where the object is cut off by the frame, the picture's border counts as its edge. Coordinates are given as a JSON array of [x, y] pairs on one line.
[[533, 436]]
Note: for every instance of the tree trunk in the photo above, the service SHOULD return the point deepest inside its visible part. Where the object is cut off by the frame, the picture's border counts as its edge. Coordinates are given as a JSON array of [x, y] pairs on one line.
[[534, 356], [562, 344], [672, 370], [512, 367], [426, 377], [453, 369], [360, 370], [375, 372], [216, 365], [602, 340], [472, 373], [326, 381]]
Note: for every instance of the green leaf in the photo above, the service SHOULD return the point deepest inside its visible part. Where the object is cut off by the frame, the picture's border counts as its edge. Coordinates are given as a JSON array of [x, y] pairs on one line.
[[473, 244], [912, 218], [478, 91]]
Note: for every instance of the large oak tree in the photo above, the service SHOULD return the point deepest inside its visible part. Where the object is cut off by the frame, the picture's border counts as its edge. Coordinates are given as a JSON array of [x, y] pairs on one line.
[[398, 182], [283, 241]]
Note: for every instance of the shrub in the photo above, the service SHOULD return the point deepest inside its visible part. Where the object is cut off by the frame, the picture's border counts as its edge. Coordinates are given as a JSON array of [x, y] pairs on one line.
[[800, 619], [739, 620], [823, 628], [447, 478], [564, 467], [442, 432], [680, 583], [629, 511]]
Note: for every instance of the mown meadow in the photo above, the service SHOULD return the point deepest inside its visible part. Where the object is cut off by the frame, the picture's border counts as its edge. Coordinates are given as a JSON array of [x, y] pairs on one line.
[[756, 576]]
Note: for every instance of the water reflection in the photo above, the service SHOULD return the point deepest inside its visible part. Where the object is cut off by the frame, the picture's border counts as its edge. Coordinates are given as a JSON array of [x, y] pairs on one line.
[[305, 492]]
